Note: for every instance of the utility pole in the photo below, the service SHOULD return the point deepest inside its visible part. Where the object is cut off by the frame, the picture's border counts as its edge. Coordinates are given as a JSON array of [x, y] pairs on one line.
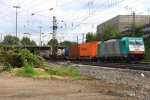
[[43, 39], [77, 39], [83, 38], [54, 27], [40, 43], [54, 46], [16, 17], [134, 22]]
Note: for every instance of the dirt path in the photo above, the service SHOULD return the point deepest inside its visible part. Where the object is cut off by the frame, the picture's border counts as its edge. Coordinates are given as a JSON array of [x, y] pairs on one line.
[[17, 88]]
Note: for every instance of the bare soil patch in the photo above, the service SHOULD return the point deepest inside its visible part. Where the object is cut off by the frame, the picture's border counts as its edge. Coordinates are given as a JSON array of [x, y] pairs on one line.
[[19, 88]]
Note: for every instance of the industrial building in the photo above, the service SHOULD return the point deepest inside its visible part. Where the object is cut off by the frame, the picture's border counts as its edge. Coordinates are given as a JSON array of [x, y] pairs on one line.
[[122, 23]]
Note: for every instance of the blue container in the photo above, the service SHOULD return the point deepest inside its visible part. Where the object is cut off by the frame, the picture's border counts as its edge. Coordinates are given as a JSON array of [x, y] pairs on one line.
[[66, 52]]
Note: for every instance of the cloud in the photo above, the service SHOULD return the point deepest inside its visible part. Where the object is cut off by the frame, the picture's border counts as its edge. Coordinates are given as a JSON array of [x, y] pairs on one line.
[[74, 17]]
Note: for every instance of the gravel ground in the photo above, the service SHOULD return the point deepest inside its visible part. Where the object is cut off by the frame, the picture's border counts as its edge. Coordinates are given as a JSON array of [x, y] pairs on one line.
[[138, 80], [106, 84], [18, 88]]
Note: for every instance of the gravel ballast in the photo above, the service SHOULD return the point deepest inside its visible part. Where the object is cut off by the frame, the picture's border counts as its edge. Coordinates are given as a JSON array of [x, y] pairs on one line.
[[137, 79]]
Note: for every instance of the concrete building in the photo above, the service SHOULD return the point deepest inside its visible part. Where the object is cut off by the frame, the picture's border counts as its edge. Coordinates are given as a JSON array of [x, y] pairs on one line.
[[122, 23]]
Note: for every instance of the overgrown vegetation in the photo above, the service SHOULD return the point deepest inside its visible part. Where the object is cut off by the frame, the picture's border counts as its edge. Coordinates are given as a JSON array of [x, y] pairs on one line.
[[63, 71], [30, 71], [66, 71], [23, 57], [8, 68], [31, 65]]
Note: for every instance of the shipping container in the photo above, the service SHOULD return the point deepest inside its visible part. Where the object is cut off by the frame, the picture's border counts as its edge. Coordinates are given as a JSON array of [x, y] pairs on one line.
[[110, 48], [66, 52], [99, 49], [73, 51], [88, 49]]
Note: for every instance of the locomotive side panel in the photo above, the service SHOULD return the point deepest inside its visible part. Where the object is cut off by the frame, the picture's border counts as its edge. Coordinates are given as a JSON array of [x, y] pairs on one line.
[[110, 48]]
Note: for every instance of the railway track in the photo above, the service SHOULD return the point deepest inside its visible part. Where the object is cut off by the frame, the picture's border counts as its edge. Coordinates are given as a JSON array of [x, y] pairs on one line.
[[134, 66]]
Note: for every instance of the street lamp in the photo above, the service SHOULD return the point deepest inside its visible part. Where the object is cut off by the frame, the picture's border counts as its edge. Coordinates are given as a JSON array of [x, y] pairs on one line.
[[16, 17]]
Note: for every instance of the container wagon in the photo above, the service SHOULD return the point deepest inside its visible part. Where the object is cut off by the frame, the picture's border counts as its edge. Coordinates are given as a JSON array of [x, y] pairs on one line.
[[73, 52], [88, 50]]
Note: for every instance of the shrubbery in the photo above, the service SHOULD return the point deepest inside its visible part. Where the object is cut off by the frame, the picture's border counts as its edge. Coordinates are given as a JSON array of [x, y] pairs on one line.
[[31, 65], [22, 57]]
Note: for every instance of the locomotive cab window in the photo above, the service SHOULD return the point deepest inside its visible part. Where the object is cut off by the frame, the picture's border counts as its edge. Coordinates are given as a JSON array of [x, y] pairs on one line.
[[136, 42]]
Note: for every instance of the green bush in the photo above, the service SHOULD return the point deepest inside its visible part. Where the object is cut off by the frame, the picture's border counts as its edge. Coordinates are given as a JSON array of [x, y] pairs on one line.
[[23, 57], [2, 57]]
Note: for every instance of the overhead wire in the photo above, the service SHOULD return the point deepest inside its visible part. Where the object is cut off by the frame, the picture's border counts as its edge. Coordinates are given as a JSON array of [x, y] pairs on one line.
[[49, 17], [29, 8]]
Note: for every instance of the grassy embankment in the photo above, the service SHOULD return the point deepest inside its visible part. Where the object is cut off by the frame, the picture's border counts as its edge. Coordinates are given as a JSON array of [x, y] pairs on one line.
[[29, 65]]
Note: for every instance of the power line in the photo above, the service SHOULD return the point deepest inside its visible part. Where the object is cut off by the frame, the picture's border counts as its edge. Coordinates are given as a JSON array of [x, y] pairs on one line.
[[32, 7]]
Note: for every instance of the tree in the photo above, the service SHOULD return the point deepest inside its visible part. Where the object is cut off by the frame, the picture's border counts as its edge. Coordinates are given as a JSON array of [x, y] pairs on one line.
[[137, 30], [33, 43], [53, 42], [67, 43], [27, 41], [11, 40], [110, 32], [98, 36], [90, 37]]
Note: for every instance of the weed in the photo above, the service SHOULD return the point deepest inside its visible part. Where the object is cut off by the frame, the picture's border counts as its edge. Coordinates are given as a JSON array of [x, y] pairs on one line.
[[63, 71], [8, 68], [29, 71]]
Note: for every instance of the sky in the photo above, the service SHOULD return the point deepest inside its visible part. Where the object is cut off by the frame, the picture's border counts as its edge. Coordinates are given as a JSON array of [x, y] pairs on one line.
[[74, 17]]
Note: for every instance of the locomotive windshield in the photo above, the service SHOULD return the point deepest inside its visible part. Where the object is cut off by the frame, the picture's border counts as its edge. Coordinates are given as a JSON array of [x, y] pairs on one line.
[[136, 42]]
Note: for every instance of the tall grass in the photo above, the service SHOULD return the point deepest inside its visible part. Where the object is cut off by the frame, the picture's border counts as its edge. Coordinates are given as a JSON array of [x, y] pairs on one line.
[[64, 71], [29, 71], [8, 68]]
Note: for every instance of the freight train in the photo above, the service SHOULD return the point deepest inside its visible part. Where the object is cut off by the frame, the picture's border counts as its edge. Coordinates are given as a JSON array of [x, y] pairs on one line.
[[115, 50]]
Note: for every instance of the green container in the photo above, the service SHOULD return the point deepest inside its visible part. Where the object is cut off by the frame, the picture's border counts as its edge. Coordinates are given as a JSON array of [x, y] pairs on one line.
[[99, 49]]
